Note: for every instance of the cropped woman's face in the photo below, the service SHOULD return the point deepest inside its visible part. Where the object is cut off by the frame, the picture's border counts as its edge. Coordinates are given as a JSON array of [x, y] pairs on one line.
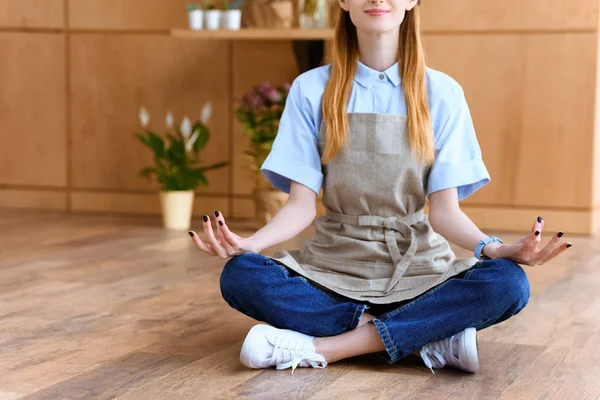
[[377, 16]]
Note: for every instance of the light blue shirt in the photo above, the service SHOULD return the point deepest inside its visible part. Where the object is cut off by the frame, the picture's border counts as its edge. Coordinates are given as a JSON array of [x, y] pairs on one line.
[[295, 156]]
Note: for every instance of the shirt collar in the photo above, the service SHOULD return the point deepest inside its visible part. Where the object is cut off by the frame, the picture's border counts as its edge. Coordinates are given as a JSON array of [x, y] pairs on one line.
[[366, 76]]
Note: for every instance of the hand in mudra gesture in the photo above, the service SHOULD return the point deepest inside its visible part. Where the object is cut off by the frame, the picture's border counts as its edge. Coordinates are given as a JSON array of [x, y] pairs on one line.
[[525, 251], [225, 243]]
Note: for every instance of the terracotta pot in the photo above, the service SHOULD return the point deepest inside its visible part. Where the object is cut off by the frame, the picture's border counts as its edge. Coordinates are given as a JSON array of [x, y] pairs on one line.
[[177, 209]]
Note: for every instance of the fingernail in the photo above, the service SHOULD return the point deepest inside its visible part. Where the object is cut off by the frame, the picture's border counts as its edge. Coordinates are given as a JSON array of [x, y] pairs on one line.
[[216, 213], [560, 234], [540, 220], [537, 233], [205, 218], [191, 234], [569, 245], [221, 223]]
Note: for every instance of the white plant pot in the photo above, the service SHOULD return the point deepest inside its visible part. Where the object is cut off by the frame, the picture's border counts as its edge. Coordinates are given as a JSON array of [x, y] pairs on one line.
[[231, 19], [196, 19], [177, 209], [213, 19]]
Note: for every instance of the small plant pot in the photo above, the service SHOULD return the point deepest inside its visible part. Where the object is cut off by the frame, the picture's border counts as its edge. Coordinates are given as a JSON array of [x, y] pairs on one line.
[[196, 19], [212, 19], [177, 209], [231, 20]]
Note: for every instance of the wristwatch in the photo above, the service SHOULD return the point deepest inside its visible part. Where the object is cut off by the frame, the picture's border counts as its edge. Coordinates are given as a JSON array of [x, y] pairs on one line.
[[479, 248]]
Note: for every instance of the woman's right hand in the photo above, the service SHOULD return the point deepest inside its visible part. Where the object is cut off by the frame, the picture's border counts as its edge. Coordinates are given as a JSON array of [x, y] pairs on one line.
[[226, 243]]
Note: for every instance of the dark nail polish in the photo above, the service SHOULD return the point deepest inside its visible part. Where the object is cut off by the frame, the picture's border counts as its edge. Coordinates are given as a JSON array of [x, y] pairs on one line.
[[540, 220], [221, 223], [191, 234], [569, 245], [205, 218], [216, 213], [537, 233], [560, 234]]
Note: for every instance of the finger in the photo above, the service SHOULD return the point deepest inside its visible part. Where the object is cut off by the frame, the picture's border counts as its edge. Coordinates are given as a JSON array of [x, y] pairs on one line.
[[552, 245], [538, 225], [556, 253], [205, 247], [221, 252], [223, 240], [224, 231], [230, 236]]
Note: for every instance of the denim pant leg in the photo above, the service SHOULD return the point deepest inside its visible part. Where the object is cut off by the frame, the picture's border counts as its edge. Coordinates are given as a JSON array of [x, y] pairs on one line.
[[486, 294], [267, 291]]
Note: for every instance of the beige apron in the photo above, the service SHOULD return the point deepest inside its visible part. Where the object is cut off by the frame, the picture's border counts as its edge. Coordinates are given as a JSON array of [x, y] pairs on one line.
[[375, 242]]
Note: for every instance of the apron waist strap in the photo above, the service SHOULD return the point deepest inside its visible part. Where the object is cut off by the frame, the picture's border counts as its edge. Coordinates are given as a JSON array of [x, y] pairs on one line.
[[375, 221], [391, 225]]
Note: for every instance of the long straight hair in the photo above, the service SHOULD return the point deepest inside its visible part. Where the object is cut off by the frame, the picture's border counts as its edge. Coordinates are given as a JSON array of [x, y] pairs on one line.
[[411, 63]]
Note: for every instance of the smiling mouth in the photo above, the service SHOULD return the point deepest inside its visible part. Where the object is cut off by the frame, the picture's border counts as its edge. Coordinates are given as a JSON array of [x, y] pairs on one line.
[[376, 13]]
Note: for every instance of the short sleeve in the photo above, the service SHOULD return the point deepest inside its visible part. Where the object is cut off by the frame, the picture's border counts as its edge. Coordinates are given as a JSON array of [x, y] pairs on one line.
[[458, 160], [294, 155]]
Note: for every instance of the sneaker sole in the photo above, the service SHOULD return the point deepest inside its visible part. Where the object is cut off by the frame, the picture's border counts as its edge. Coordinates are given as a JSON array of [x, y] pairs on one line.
[[470, 336]]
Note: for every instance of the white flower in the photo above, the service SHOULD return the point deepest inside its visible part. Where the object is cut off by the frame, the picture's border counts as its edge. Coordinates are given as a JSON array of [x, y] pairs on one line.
[[186, 127], [190, 143], [144, 117], [206, 113], [169, 119]]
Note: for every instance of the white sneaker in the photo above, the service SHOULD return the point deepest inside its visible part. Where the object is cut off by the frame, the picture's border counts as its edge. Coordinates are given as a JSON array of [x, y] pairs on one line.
[[459, 351], [266, 346]]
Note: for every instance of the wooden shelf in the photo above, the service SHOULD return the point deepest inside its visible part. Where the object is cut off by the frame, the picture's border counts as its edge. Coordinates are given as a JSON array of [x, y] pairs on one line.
[[256, 34]]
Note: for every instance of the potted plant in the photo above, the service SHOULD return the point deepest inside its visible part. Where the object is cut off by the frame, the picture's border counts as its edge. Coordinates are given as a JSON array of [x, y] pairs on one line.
[[231, 17], [175, 164], [195, 16], [213, 15], [259, 112]]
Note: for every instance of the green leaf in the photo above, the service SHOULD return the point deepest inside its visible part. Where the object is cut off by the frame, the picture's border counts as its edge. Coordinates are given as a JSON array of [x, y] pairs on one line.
[[157, 143], [147, 172], [203, 136]]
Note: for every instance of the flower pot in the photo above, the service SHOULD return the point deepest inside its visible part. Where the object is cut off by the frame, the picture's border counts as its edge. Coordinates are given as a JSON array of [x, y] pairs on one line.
[[196, 19], [231, 19], [267, 203], [177, 209], [213, 19]]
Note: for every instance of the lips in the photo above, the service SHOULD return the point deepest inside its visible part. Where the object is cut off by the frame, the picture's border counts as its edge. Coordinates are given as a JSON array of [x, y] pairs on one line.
[[377, 12]]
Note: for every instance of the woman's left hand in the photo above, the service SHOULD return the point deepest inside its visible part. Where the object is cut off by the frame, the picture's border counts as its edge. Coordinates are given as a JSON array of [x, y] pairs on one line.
[[525, 251]]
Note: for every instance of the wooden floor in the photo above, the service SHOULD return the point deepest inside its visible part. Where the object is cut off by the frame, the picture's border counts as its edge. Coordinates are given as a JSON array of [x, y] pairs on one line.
[[104, 307]]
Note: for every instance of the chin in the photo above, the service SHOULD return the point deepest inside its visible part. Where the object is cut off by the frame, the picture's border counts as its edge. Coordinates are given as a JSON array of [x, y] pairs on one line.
[[376, 27]]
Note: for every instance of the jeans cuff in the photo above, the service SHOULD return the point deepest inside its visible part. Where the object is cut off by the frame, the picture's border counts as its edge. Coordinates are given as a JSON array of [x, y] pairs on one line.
[[360, 310], [390, 348]]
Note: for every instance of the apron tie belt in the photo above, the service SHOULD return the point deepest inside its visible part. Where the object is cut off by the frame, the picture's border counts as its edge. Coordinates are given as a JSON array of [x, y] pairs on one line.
[[391, 226]]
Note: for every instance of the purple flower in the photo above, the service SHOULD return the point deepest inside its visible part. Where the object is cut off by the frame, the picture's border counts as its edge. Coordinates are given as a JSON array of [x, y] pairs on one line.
[[287, 86], [273, 95]]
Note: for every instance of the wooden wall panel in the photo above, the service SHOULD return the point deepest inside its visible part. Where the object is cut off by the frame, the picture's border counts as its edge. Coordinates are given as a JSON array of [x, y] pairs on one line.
[[37, 199], [273, 61], [478, 15], [132, 203], [536, 145], [32, 109], [127, 14], [596, 166], [112, 75], [32, 13]]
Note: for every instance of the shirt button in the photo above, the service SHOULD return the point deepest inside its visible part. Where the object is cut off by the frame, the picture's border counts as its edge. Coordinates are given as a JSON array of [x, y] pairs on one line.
[[381, 76]]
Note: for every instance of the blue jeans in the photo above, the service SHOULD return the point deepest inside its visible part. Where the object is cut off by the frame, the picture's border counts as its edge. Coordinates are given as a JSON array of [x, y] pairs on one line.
[[488, 293]]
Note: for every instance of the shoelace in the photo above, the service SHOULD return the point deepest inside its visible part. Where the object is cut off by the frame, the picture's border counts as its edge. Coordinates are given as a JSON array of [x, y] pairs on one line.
[[433, 354], [296, 351]]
